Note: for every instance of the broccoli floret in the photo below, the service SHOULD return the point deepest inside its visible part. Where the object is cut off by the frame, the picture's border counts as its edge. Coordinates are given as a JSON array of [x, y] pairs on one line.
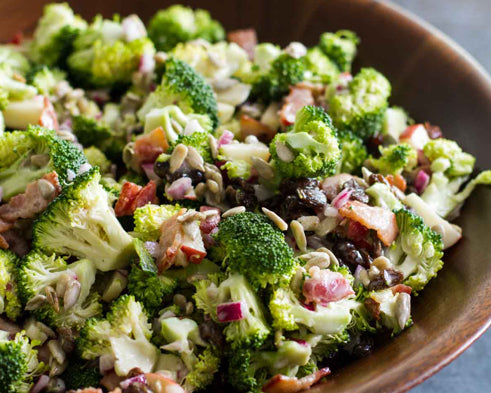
[[45, 79], [82, 223], [249, 244], [175, 123], [353, 152], [252, 330], [178, 23], [184, 87], [11, 88], [443, 195], [248, 370], [144, 282], [388, 303], [26, 156], [381, 195], [396, 120], [417, 251], [285, 71], [11, 56], [323, 69], [95, 157], [80, 374], [198, 140], [203, 371], [20, 364], [394, 159], [310, 149], [149, 219], [9, 297], [104, 56], [55, 33], [124, 334], [89, 131], [57, 292], [237, 169], [340, 47], [461, 163], [361, 109]]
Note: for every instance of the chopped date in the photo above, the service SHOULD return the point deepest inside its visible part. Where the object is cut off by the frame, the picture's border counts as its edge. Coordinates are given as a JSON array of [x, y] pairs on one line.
[[385, 279]]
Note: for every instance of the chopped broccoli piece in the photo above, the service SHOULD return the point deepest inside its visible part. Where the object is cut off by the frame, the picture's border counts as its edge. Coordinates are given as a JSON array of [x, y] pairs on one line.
[[396, 120], [82, 223], [461, 163], [250, 331], [89, 131], [310, 149], [353, 152], [361, 109], [394, 159], [26, 156], [95, 157], [45, 79], [285, 71], [104, 56], [417, 251], [178, 23], [248, 244], [381, 195], [340, 47], [9, 297], [124, 334], [323, 69], [198, 140], [238, 168], [443, 195], [184, 87], [41, 275], [80, 374], [11, 88], [149, 219], [20, 364], [11, 56], [55, 33], [389, 317], [203, 371]]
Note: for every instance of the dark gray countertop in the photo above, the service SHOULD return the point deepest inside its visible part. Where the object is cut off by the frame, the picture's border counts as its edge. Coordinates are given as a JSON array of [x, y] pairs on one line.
[[468, 23]]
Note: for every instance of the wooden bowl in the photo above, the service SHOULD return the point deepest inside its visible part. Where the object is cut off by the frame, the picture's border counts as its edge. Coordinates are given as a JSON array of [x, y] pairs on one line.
[[434, 80]]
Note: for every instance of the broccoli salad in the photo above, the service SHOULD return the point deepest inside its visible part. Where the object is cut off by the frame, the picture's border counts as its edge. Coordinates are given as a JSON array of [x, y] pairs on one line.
[[184, 209]]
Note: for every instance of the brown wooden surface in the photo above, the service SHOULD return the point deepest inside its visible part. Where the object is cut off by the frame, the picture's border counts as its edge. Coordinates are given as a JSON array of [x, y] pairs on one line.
[[434, 81]]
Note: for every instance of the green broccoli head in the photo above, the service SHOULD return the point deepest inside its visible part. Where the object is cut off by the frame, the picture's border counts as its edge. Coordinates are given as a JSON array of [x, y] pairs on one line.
[[9, 298], [394, 159], [26, 156], [149, 218], [11, 89], [460, 163], [178, 23], [250, 331], [95, 157], [82, 223], [285, 71], [80, 374], [11, 57], [203, 371], [184, 87], [104, 56], [417, 251], [45, 79], [340, 47], [322, 68], [55, 33], [361, 109], [58, 293], [124, 334], [353, 152], [89, 131], [20, 364], [249, 244], [310, 149]]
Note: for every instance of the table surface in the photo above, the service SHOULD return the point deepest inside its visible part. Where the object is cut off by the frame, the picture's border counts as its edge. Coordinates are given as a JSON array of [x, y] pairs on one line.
[[466, 22]]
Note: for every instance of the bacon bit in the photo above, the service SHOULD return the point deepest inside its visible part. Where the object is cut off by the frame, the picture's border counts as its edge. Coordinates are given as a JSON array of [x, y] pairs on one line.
[[250, 126], [149, 146], [3, 243], [282, 384], [211, 222], [48, 116], [373, 308], [133, 196], [193, 255], [401, 288], [294, 101], [356, 231], [246, 39], [397, 181], [325, 287], [381, 220]]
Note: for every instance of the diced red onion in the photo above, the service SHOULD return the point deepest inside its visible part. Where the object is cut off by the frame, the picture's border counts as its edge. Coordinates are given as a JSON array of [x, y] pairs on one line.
[[150, 173], [178, 189], [340, 200], [300, 341], [147, 63], [421, 181], [41, 383], [152, 248], [229, 312], [106, 363], [100, 96], [226, 138], [309, 307], [138, 379], [70, 175]]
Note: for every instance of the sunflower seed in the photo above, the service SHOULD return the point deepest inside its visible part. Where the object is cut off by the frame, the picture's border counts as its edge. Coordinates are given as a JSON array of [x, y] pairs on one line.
[[188, 310], [279, 222], [327, 225], [72, 294], [382, 263], [309, 223], [200, 190], [177, 127], [299, 235], [210, 213], [284, 153], [213, 146], [177, 158], [46, 189], [56, 351], [212, 186], [194, 159], [403, 309], [35, 302], [180, 301], [334, 260], [62, 283], [316, 258], [191, 215], [234, 211], [52, 298], [263, 168]]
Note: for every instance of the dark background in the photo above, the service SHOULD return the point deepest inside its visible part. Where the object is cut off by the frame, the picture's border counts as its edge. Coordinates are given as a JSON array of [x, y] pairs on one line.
[[468, 23]]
